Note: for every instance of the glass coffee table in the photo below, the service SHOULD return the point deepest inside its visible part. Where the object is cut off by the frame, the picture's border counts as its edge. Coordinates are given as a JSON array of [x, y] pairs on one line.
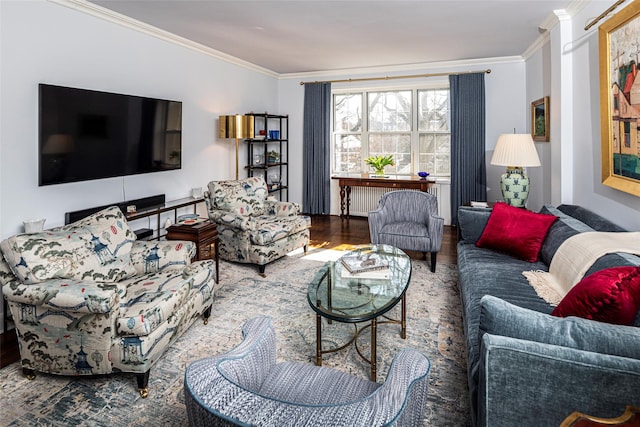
[[336, 294]]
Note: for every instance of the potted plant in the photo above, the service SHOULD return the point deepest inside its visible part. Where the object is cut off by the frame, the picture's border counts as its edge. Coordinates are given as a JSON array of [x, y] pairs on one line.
[[273, 157], [378, 163]]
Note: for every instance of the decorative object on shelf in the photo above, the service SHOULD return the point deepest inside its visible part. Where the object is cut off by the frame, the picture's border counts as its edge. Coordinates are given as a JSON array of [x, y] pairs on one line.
[[273, 157], [540, 119], [33, 225], [618, 38], [423, 175], [275, 180], [274, 134], [196, 192], [258, 159], [378, 163], [515, 151], [238, 127]]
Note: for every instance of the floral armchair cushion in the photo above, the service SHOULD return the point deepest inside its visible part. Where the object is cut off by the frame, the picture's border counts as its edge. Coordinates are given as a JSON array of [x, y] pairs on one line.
[[243, 197], [97, 248]]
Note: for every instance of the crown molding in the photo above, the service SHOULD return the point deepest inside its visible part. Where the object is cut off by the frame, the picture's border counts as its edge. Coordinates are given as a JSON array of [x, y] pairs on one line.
[[117, 18], [483, 62]]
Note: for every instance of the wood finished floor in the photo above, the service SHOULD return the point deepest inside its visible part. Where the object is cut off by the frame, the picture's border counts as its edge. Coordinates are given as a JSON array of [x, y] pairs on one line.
[[330, 232]]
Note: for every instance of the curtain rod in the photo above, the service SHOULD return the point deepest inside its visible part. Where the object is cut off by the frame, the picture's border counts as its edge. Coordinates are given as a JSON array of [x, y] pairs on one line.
[[604, 14], [413, 76]]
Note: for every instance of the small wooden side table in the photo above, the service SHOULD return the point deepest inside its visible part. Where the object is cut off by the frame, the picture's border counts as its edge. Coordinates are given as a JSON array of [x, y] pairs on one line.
[[204, 234]]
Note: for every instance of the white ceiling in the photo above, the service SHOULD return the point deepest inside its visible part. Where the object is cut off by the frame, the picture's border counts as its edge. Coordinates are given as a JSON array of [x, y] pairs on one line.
[[298, 36]]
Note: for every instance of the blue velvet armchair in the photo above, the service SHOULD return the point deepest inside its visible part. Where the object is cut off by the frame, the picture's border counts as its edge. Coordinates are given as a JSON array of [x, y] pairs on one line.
[[408, 220]]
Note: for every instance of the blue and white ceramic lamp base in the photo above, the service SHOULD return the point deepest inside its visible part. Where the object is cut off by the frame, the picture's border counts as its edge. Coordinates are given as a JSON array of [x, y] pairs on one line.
[[515, 187]]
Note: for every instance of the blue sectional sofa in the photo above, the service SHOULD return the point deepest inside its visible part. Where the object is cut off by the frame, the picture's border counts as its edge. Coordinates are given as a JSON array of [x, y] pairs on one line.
[[525, 366]]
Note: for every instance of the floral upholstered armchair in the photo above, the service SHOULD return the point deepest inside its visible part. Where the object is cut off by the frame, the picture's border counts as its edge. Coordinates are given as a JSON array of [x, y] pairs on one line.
[[252, 227], [88, 298]]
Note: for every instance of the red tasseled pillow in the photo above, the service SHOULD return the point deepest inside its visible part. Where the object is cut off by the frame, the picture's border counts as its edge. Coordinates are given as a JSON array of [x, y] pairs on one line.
[[515, 231], [611, 295]]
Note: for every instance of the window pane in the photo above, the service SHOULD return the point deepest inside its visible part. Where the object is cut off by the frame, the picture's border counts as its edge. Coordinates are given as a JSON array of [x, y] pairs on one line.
[[427, 163], [348, 112], [443, 165], [433, 110], [347, 153], [390, 111], [398, 145]]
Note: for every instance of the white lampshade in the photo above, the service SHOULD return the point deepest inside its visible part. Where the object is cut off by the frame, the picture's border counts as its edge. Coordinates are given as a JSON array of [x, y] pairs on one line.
[[515, 149]]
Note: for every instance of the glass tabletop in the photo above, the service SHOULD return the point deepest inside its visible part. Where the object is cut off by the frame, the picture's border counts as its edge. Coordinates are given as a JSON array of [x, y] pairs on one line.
[[337, 294]]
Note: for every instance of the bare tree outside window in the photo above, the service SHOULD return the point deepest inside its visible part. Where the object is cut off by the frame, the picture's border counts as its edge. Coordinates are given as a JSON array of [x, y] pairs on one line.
[[396, 122]]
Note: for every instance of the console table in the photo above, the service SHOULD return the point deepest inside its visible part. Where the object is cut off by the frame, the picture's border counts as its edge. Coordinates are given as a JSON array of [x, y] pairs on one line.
[[156, 211], [365, 180]]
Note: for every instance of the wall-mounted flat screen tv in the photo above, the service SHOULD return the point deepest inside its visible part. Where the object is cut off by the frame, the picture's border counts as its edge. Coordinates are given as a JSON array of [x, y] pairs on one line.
[[87, 134]]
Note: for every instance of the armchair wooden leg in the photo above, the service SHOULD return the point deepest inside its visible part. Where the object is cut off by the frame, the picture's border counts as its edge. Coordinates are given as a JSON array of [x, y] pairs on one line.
[[207, 314], [433, 261], [261, 269], [306, 248], [29, 373], [143, 384]]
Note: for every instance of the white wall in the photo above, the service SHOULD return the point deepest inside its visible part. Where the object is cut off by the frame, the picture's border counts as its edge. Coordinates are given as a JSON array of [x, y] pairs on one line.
[[505, 109], [588, 190], [42, 42], [581, 165]]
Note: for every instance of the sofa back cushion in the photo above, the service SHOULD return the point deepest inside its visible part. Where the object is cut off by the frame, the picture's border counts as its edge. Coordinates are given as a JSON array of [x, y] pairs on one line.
[[590, 218], [243, 197], [565, 227], [96, 248], [471, 222]]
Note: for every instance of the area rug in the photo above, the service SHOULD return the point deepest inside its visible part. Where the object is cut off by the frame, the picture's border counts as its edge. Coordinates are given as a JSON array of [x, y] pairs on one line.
[[434, 326]]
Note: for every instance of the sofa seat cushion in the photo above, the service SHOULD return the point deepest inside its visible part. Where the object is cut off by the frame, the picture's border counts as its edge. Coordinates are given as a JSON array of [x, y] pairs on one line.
[[314, 385], [243, 197], [269, 229], [96, 248], [406, 235], [148, 301]]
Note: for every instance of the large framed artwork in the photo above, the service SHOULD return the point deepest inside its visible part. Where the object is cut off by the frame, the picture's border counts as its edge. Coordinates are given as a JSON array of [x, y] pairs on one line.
[[620, 99]]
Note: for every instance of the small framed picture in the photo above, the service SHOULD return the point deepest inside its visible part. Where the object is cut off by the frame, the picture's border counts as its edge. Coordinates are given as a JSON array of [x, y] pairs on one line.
[[540, 119]]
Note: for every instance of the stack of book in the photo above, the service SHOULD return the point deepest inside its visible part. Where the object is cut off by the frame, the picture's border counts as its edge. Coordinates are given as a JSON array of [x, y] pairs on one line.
[[369, 265]]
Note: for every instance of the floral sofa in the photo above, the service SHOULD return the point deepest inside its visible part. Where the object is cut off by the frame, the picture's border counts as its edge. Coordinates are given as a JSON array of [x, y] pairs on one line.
[[87, 298], [254, 228]]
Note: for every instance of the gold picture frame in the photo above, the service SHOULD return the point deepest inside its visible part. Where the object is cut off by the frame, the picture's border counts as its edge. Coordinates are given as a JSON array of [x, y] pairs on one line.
[[619, 102], [540, 119]]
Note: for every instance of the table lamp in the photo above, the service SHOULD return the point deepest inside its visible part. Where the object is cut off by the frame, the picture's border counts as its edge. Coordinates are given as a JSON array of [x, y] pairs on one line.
[[515, 151], [238, 127]]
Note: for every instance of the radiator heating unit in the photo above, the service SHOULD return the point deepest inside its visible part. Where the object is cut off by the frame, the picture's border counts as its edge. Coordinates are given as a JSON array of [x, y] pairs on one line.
[[366, 199]]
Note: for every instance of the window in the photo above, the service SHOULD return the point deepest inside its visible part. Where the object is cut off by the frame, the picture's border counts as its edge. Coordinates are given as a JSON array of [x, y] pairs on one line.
[[410, 124]]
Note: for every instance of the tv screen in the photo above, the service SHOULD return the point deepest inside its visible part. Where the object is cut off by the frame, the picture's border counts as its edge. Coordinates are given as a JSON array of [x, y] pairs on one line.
[[87, 134]]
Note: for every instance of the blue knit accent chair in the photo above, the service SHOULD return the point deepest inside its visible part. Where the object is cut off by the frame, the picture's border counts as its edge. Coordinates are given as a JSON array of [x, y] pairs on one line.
[[247, 387], [408, 220]]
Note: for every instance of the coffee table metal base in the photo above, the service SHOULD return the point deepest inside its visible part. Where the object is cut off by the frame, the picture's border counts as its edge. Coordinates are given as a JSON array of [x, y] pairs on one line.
[[373, 325]]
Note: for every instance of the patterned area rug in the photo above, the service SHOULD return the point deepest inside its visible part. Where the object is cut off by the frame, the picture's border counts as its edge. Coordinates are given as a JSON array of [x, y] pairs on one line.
[[434, 326]]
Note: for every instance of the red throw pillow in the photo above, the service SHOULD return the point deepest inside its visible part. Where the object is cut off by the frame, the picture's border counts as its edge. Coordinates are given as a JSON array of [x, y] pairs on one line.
[[611, 295], [515, 231]]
